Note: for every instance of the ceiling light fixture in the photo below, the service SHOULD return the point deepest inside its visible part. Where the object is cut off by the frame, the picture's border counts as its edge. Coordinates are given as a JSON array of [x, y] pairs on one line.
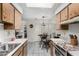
[[40, 5]]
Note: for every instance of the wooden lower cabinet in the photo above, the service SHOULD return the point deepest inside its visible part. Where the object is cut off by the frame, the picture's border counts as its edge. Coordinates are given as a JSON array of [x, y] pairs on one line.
[[52, 49], [25, 50], [22, 51], [0, 12]]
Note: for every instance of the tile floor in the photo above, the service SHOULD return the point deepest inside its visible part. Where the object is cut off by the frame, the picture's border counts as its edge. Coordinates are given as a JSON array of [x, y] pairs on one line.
[[34, 49]]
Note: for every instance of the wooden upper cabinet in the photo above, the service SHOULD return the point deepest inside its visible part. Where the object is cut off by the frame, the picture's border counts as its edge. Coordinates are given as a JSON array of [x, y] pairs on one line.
[[11, 12], [73, 10], [18, 20], [0, 11], [64, 14], [8, 13], [58, 19]]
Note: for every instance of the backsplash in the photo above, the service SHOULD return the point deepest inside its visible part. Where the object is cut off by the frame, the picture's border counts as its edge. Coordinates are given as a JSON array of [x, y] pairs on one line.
[[73, 29], [6, 35]]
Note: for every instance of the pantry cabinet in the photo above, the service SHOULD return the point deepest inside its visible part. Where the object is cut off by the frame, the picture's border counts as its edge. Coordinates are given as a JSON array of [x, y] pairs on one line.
[[73, 10], [64, 14], [18, 21]]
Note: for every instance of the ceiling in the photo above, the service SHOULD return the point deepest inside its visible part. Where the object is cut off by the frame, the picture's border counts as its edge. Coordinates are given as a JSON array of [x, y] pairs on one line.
[[32, 11]]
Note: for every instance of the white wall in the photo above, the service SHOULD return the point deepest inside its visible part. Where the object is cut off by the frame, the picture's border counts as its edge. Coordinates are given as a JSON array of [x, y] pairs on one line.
[[18, 7], [6, 35], [34, 16], [32, 33]]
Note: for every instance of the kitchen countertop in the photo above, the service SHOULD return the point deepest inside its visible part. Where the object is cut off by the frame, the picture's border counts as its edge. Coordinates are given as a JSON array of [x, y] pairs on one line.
[[21, 41], [74, 51]]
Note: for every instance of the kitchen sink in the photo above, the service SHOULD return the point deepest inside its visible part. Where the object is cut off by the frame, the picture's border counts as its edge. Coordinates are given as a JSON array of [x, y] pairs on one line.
[[7, 48]]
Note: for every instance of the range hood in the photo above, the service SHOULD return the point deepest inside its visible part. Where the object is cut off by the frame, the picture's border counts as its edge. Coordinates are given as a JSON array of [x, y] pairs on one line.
[[69, 21]]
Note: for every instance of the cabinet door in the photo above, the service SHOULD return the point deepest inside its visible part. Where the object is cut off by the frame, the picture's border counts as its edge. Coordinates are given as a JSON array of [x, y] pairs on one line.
[[18, 52], [73, 10], [8, 13], [11, 12], [0, 12], [25, 51], [21, 54], [5, 12], [51, 48], [64, 14], [17, 20], [58, 19]]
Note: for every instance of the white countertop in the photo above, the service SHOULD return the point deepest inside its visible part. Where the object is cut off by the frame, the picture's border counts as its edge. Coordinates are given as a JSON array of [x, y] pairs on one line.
[[59, 42], [74, 53], [16, 41]]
